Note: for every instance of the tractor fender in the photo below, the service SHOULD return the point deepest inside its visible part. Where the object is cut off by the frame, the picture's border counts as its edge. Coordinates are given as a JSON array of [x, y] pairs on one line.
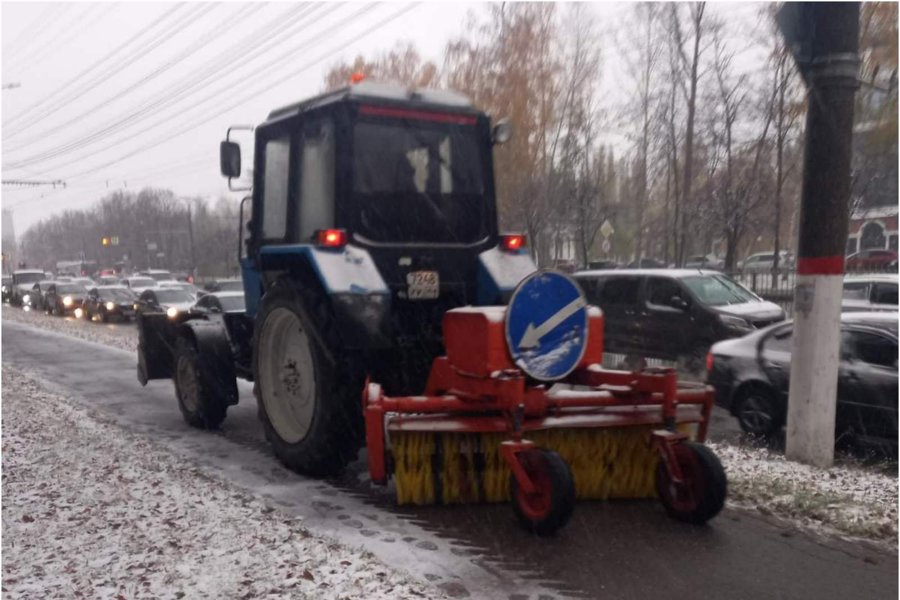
[[499, 272], [156, 342], [210, 338], [359, 296]]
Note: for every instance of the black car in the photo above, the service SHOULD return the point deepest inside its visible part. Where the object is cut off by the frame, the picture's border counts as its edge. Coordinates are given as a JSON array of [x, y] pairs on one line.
[[6, 289], [63, 298], [751, 377], [108, 302], [166, 300], [221, 302], [673, 313]]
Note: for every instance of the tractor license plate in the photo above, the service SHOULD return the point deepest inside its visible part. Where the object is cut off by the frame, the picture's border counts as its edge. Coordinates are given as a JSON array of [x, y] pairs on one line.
[[423, 285]]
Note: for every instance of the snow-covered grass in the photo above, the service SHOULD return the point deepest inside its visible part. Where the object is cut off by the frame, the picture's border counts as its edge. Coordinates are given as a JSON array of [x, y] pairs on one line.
[[90, 511], [848, 500], [118, 335]]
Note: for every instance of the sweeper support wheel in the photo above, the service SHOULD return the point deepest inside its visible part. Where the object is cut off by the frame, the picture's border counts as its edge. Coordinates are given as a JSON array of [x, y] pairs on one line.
[[693, 489], [549, 505]]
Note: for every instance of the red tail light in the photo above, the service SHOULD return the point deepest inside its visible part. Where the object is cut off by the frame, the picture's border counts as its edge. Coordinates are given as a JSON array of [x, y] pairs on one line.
[[709, 362], [331, 238], [512, 243]]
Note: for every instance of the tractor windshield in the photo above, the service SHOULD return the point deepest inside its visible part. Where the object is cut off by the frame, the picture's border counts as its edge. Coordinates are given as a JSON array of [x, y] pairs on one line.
[[419, 181]]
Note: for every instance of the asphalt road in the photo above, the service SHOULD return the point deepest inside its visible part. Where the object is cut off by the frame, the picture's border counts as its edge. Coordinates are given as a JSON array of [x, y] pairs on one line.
[[609, 550]]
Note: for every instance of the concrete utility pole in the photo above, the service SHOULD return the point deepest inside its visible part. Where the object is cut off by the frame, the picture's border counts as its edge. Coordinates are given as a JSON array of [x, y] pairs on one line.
[[824, 38]]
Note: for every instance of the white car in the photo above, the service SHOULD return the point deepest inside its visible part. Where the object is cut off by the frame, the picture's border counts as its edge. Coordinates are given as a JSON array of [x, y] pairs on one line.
[[763, 262], [870, 293], [140, 283]]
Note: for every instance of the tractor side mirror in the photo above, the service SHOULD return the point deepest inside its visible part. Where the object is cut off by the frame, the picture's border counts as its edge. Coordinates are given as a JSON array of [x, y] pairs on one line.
[[230, 159], [502, 132]]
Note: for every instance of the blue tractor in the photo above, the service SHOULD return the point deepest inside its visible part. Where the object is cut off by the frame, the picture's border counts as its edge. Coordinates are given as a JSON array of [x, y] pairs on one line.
[[372, 213]]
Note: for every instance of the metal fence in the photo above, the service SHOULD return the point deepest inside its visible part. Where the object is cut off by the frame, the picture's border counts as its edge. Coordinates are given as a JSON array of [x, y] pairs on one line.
[[779, 287]]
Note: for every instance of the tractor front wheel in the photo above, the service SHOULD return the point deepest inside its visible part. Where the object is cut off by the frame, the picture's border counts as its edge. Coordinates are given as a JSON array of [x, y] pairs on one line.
[[550, 507], [702, 493], [199, 406], [307, 395]]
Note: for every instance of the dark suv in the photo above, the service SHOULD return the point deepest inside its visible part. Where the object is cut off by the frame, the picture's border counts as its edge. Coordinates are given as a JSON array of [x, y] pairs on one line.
[[673, 313]]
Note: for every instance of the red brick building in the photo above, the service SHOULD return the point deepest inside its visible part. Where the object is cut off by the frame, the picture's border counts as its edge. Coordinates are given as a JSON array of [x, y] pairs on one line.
[[873, 228]]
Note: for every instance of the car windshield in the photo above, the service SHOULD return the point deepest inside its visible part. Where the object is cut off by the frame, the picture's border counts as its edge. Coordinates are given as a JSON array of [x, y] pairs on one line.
[[117, 294], [419, 183], [71, 288], [232, 303], [160, 275], [142, 282], [718, 290], [29, 277], [173, 295]]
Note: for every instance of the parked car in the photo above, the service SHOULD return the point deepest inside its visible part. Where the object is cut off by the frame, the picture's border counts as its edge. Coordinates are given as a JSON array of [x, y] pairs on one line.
[[751, 377], [6, 288], [139, 284], [167, 300], [870, 259], [233, 284], [764, 262], [22, 282], [62, 298], [870, 292], [34, 299], [646, 263], [673, 313], [110, 302], [704, 262], [221, 302]]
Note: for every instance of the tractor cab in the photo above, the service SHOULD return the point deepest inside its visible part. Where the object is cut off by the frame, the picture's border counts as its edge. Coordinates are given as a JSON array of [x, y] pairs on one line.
[[397, 183]]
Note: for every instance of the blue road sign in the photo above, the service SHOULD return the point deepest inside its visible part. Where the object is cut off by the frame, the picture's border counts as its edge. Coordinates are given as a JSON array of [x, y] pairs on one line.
[[547, 325]]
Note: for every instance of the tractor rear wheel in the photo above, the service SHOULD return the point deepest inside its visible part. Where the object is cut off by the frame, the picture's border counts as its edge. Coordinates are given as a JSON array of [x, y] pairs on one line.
[[702, 495], [306, 392], [551, 506]]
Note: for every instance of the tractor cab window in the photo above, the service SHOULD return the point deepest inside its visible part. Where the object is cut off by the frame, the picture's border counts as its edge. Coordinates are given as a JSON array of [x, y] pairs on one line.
[[275, 188], [419, 181], [316, 181]]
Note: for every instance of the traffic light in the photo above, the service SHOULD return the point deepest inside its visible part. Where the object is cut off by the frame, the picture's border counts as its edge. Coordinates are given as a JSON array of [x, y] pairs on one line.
[[105, 241]]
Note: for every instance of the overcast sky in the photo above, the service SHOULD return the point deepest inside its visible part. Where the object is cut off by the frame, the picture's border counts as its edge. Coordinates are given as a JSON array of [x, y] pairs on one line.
[[115, 95]]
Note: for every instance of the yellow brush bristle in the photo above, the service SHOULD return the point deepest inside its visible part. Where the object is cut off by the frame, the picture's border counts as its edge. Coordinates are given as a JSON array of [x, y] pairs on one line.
[[605, 463]]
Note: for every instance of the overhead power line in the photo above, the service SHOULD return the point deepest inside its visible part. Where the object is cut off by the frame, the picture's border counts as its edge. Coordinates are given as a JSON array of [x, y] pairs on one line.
[[115, 53], [245, 52], [247, 49], [33, 183]]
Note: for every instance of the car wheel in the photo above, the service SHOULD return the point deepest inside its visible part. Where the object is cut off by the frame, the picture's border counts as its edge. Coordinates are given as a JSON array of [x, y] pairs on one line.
[[758, 412]]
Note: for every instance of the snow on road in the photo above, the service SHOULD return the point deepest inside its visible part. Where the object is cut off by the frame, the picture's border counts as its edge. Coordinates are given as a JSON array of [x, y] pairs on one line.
[[90, 511], [117, 335]]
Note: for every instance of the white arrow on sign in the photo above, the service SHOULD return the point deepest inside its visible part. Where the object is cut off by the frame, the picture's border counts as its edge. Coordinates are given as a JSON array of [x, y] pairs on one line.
[[533, 334]]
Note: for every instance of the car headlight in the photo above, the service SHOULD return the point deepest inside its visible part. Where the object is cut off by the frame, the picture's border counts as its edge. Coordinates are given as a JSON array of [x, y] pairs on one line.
[[4, 289], [735, 323], [171, 312], [67, 301], [110, 306], [134, 306], [78, 313], [26, 298]]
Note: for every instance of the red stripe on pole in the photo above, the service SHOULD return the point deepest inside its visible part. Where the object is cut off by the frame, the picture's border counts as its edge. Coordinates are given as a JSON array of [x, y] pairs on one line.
[[402, 113], [820, 265]]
